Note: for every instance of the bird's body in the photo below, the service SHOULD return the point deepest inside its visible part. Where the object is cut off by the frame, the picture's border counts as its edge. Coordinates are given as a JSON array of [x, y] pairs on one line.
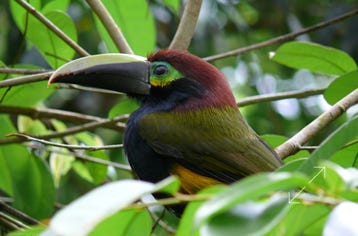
[[188, 123], [193, 129]]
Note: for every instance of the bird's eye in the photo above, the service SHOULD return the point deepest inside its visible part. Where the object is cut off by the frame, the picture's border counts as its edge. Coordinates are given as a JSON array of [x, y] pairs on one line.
[[160, 70]]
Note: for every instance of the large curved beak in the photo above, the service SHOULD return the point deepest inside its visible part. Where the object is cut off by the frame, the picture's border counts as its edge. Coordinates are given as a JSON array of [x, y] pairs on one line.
[[116, 72]]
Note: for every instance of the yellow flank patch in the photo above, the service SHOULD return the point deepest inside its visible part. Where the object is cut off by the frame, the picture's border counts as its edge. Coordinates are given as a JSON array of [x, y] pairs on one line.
[[192, 182]]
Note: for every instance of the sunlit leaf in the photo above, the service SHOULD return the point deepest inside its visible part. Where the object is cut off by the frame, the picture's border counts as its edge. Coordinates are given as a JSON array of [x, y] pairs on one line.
[[20, 15], [82, 215], [131, 15], [32, 187], [125, 223], [247, 189], [55, 5], [341, 87], [28, 232], [314, 57], [55, 50], [125, 106], [26, 95]]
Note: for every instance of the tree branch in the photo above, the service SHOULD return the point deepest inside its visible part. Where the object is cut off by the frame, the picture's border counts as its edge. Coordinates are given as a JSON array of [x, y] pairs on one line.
[[110, 25], [278, 96], [187, 25], [69, 146], [292, 145], [52, 27], [25, 79], [24, 71], [84, 157], [67, 116], [282, 38]]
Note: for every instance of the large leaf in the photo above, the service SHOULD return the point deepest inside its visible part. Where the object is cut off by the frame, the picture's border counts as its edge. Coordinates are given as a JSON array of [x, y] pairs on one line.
[[341, 87], [344, 134], [249, 218], [81, 216], [186, 226], [31, 187], [314, 57], [54, 49], [136, 22], [125, 223], [26, 95], [299, 218], [247, 189], [20, 15]]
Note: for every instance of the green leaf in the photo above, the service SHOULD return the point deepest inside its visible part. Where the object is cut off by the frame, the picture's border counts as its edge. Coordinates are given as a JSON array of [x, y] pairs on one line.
[[55, 6], [331, 145], [37, 230], [314, 57], [97, 171], [248, 218], [55, 50], [26, 95], [32, 187], [248, 189], [186, 226], [170, 185], [341, 87], [347, 157], [125, 223], [299, 218], [173, 4], [81, 216], [131, 15], [20, 15], [125, 106]]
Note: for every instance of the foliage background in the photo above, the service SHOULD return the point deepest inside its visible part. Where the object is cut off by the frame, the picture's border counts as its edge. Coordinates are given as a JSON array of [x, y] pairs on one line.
[[222, 26]]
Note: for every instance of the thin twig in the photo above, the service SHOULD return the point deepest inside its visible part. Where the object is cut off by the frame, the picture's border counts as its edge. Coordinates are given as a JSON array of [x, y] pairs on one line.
[[23, 71], [18, 214], [73, 130], [278, 96], [69, 146], [83, 157], [52, 27], [187, 25], [67, 116], [292, 145], [110, 25], [25, 79], [282, 38]]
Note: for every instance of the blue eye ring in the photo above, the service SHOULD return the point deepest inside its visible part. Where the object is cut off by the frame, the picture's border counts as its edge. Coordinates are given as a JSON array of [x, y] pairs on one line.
[[160, 70]]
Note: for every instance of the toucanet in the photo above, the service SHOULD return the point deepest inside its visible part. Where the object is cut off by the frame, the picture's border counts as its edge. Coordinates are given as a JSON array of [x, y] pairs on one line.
[[188, 123]]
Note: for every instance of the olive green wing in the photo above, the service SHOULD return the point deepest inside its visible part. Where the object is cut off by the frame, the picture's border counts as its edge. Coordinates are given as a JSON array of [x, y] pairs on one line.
[[214, 142]]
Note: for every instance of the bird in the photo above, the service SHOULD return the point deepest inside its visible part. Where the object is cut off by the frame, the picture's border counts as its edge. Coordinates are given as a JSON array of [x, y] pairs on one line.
[[188, 123]]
